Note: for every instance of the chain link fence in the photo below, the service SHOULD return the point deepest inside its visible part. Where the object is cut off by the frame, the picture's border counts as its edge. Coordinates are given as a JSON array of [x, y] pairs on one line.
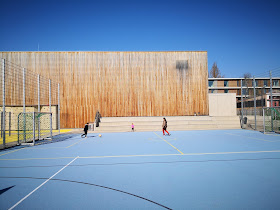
[[23, 91], [259, 101], [271, 119]]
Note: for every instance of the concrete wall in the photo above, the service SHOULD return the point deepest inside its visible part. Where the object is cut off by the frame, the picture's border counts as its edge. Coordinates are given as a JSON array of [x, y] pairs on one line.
[[222, 104]]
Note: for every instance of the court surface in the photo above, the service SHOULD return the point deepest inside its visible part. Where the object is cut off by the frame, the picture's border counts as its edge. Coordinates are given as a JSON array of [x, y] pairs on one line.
[[216, 169]]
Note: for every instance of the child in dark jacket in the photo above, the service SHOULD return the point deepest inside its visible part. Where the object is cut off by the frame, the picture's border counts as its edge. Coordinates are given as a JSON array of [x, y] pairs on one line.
[[164, 127], [85, 131]]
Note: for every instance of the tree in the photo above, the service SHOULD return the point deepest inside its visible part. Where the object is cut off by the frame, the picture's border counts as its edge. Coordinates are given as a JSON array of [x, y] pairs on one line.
[[215, 71], [247, 76]]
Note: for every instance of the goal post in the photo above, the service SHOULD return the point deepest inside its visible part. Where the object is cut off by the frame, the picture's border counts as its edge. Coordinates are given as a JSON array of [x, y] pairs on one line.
[[271, 119], [33, 126]]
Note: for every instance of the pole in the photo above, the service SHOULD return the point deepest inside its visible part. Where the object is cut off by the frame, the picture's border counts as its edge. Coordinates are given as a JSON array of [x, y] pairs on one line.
[[255, 103], [263, 97], [271, 100], [10, 125], [241, 104], [50, 105], [39, 107], [58, 114], [263, 121], [4, 99], [24, 110], [1, 124], [34, 132]]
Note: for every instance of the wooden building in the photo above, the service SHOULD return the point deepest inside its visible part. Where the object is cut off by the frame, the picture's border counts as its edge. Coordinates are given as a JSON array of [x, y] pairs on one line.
[[122, 83]]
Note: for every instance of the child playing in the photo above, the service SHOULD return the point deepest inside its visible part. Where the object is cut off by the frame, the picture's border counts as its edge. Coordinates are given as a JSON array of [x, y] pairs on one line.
[[164, 127], [85, 131], [132, 127]]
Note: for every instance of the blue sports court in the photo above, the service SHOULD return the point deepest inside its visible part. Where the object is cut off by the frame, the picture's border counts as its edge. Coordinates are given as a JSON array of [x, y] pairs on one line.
[[213, 169]]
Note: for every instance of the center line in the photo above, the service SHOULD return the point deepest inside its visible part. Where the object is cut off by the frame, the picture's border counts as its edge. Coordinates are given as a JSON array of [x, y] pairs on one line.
[[169, 143]]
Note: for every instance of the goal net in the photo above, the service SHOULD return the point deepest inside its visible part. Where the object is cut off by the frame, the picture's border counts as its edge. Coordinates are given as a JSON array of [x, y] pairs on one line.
[[271, 119], [33, 126]]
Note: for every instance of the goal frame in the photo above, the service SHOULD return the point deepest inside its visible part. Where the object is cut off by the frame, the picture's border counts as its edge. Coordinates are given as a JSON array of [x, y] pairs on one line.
[[31, 130]]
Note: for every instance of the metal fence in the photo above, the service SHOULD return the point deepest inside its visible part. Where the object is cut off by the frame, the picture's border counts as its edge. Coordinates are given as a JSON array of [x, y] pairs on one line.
[[24, 91], [258, 95], [271, 119], [34, 126]]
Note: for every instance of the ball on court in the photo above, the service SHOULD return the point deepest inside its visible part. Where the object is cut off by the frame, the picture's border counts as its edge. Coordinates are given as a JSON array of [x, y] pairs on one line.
[[100, 135]]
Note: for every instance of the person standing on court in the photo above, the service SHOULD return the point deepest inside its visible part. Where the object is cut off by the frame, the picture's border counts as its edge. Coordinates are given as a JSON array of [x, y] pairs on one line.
[[164, 127], [132, 127], [85, 131]]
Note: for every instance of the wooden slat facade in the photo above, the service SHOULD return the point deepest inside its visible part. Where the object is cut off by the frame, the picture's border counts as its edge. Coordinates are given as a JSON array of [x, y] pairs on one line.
[[121, 83]]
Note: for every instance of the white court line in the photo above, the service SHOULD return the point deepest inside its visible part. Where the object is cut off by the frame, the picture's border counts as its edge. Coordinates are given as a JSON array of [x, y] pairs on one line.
[[151, 155], [248, 137], [186, 154], [41, 185]]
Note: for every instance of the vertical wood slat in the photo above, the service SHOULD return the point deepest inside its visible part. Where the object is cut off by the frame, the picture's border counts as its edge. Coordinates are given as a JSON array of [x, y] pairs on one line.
[[121, 83]]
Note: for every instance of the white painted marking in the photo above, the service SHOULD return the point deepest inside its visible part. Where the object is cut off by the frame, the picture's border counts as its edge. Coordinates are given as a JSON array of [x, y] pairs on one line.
[[153, 155], [41, 185], [249, 137]]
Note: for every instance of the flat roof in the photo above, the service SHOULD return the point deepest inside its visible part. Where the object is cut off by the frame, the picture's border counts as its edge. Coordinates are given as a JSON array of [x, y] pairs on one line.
[[99, 51], [242, 78]]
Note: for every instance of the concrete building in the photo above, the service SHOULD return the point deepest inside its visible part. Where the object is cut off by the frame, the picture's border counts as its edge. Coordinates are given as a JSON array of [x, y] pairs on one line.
[[262, 85]]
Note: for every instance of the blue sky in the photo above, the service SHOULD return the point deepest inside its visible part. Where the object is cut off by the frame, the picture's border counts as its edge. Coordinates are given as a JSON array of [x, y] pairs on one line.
[[241, 36]]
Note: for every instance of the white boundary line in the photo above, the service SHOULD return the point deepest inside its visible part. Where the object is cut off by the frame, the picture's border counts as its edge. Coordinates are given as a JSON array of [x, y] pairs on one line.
[[249, 137], [185, 154], [150, 155], [42, 184]]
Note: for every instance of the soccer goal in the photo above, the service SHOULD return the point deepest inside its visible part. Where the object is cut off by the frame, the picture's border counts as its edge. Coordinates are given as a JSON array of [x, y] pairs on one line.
[[33, 126], [271, 119]]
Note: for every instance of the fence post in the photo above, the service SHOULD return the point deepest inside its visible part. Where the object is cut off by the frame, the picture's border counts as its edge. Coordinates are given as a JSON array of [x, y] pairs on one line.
[[271, 100], [58, 114], [18, 128], [4, 105], [34, 128], [263, 121], [50, 104], [255, 103], [39, 108], [1, 124], [23, 101], [241, 104], [10, 123]]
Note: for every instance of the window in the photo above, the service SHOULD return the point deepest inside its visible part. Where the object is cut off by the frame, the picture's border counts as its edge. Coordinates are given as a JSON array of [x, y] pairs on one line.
[[238, 83], [275, 82], [226, 90], [210, 83], [226, 83], [244, 91], [256, 83], [265, 83]]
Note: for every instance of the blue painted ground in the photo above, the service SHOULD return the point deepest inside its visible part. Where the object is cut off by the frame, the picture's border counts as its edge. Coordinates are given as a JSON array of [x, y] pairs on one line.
[[219, 169]]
